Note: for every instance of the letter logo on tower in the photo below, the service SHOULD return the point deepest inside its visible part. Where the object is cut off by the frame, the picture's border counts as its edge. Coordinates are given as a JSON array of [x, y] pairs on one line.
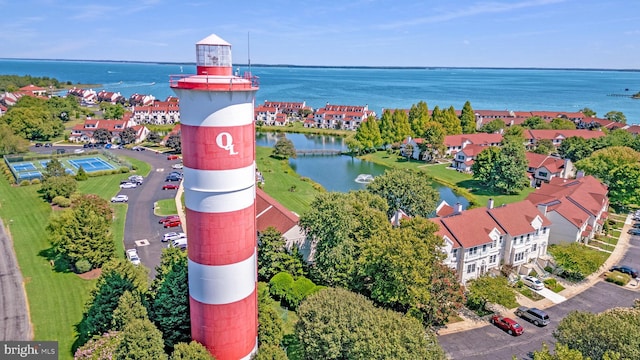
[[224, 140]]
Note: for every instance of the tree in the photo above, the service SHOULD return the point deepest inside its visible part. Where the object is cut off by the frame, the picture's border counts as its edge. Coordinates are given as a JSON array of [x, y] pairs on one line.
[[175, 142], [407, 190], [493, 126], [100, 347], [450, 121], [433, 136], [468, 119], [338, 223], [588, 112], [575, 148], [562, 352], [141, 340], [128, 136], [387, 128], [338, 324], [418, 118], [562, 124], [535, 122], [368, 134], [102, 135], [54, 168], [616, 116], [488, 289], [270, 325], [129, 308], [33, 123], [614, 332], [509, 174], [117, 277], [84, 231], [270, 352], [402, 127], [447, 295], [170, 302], [354, 146], [284, 149], [545, 147], [10, 143], [81, 175], [58, 186], [111, 111], [191, 351], [617, 137], [482, 167], [273, 256], [408, 151]]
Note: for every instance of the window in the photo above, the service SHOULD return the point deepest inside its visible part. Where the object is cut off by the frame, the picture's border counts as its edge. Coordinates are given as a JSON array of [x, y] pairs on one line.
[[534, 247], [492, 259], [471, 268], [519, 257], [493, 244], [454, 253], [473, 251], [543, 174], [484, 248]]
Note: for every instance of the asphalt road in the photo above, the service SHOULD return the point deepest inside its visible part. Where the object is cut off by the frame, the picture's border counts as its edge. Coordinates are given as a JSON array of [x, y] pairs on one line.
[[491, 343], [13, 302]]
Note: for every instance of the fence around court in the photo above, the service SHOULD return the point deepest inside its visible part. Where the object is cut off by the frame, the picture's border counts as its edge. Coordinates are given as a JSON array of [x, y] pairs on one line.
[[27, 173]]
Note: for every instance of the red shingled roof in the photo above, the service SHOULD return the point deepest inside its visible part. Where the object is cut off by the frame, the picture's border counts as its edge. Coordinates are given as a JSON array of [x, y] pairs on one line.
[[516, 218], [471, 227], [270, 213]]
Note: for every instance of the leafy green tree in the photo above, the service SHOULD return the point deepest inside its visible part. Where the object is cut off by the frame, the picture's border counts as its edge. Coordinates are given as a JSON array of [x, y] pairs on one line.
[[191, 351], [545, 147], [284, 149], [616, 116], [468, 119], [407, 190], [617, 137], [10, 143], [493, 126], [117, 276], [338, 324], [274, 257], [175, 142], [408, 151], [170, 303], [130, 307], [562, 124], [54, 168], [81, 175], [291, 292], [614, 332], [270, 325], [447, 295], [509, 174], [368, 134], [339, 223], [513, 133], [111, 111], [575, 148], [62, 107], [588, 112], [102, 135], [433, 136], [535, 122], [33, 123], [141, 340], [489, 289], [562, 352], [128, 136], [387, 128], [402, 127], [58, 186], [450, 122], [482, 166], [270, 352], [418, 118], [354, 146], [84, 231]]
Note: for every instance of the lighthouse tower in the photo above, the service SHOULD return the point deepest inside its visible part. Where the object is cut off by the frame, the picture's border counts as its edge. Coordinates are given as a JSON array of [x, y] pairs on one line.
[[218, 148]]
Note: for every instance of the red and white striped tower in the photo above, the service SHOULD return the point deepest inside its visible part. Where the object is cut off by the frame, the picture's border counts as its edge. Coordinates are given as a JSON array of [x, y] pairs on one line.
[[218, 148]]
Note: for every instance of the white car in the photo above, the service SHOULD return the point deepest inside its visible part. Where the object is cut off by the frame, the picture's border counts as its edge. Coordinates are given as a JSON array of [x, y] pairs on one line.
[[533, 282], [179, 243], [120, 198], [128, 185], [132, 255], [170, 236], [78, 151], [177, 166]]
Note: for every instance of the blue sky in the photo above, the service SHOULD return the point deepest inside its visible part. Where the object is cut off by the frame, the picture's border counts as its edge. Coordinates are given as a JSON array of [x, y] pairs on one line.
[[464, 33]]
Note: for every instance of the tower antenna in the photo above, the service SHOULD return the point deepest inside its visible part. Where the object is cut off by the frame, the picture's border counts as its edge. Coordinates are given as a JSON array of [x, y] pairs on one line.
[[249, 52]]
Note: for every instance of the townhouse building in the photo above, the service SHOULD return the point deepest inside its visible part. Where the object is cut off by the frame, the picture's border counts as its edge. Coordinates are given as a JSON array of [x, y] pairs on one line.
[[464, 159], [480, 240], [344, 117], [110, 97], [455, 143], [84, 132], [33, 90], [532, 137], [87, 96], [158, 113], [542, 168]]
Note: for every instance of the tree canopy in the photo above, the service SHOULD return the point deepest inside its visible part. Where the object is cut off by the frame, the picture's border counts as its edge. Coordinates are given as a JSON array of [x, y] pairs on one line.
[[493, 126], [502, 169], [407, 190], [418, 118], [468, 119], [284, 149], [274, 257], [368, 134]]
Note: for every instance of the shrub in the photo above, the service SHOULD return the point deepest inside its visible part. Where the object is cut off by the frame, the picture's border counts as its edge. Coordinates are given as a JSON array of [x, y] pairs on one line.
[[548, 269], [279, 284], [533, 273], [25, 183], [618, 278], [124, 170], [576, 260], [35, 181], [61, 201], [82, 266]]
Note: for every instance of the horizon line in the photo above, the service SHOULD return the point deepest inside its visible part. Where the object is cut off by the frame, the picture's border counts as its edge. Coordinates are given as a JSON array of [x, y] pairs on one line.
[[337, 66]]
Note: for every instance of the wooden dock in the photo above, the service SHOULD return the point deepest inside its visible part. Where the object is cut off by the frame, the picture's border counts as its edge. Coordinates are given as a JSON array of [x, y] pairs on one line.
[[323, 152]]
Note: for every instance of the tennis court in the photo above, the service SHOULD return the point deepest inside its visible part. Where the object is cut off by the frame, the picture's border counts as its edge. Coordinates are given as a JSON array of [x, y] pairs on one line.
[[28, 170], [24, 167], [91, 164]]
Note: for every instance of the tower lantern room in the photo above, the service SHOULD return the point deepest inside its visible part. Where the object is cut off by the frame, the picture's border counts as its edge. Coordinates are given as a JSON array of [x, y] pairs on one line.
[[213, 56]]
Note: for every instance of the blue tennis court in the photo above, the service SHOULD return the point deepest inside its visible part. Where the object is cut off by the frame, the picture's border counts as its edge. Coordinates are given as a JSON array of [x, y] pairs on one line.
[[24, 167], [91, 164], [28, 175]]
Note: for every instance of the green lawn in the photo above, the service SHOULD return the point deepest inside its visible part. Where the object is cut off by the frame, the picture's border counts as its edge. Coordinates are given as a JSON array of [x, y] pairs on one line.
[[166, 207], [298, 127], [56, 300]]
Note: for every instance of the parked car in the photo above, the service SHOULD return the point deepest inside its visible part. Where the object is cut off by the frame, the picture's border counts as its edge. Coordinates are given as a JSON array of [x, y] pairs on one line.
[[534, 315], [533, 282], [170, 187], [128, 185], [108, 146], [132, 255], [137, 179], [634, 231], [170, 236], [507, 324], [38, 144], [173, 157], [48, 145], [168, 218], [173, 177], [172, 223], [625, 270], [178, 243], [138, 148], [119, 198], [177, 166], [78, 151], [60, 151]]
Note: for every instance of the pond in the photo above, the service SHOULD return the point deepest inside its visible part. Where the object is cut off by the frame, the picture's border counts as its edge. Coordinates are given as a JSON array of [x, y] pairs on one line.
[[336, 172]]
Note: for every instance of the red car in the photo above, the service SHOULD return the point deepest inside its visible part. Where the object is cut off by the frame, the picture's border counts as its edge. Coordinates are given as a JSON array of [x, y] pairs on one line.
[[172, 223], [168, 218], [507, 324], [173, 157], [170, 187]]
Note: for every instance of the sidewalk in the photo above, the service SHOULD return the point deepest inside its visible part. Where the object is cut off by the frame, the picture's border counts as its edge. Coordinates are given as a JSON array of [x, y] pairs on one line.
[[181, 214], [569, 291]]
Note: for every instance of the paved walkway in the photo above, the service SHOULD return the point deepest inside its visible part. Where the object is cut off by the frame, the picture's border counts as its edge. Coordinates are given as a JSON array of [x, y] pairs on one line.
[[569, 291]]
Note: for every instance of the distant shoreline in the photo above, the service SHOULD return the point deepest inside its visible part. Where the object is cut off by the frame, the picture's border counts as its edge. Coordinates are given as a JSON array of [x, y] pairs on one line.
[[332, 67]]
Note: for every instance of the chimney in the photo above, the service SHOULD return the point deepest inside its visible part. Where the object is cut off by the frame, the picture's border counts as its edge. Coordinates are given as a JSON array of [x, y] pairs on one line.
[[490, 203], [543, 209], [457, 208]]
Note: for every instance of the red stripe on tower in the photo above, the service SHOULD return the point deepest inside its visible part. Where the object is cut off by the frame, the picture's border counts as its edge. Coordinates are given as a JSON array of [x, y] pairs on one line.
[[218, 149]]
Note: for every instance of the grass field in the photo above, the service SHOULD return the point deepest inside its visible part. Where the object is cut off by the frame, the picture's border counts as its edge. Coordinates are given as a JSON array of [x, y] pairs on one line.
[[56, 300], [166, 207]]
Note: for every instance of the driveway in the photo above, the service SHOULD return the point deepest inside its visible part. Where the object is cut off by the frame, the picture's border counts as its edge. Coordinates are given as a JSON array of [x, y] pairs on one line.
[[14, 315]]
